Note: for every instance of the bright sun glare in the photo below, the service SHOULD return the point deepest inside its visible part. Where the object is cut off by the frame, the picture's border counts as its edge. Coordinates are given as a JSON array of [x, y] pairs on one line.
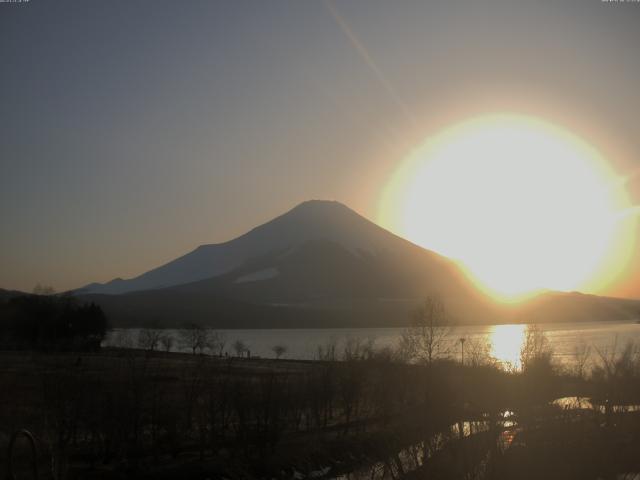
[[522, 204], [506, 343]]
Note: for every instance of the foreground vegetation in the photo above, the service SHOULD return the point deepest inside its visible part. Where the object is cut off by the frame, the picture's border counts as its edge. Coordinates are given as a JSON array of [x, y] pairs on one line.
[[127, 413], [401, 413]]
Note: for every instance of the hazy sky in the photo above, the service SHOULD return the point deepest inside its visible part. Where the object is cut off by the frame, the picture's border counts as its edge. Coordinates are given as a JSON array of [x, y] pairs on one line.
[[133, 131]]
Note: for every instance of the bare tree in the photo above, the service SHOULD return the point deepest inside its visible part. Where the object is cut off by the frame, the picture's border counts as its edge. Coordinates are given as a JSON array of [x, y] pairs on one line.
[[582, 355], [535, 348], [195, 338], [327, 352], [239, 347], [216, 342], [149, 339], [123, 338], [279, 350], [426, 338], [478, 352], [353, 349], [351, 384], [616, 376], [166, 341]]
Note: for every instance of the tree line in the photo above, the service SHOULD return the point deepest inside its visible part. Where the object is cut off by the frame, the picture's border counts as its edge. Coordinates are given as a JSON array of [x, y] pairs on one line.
[[47, 321]]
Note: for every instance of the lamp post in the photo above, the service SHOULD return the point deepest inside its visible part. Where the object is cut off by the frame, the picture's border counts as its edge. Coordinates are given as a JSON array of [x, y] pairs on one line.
[[462, 340]]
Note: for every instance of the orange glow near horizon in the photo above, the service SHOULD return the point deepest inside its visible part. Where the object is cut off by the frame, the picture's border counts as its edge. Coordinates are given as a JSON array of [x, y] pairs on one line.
[[521, 204]]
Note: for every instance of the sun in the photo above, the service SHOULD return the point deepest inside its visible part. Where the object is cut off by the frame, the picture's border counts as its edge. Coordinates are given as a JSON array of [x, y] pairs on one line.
[[522, 204]]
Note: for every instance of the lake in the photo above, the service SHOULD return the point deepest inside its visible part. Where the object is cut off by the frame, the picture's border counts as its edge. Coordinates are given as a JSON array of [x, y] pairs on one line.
[[503, 342]]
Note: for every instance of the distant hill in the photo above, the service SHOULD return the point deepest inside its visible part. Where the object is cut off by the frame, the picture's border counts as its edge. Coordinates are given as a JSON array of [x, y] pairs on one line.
[[321, 265], [7, 294], [574, 307]]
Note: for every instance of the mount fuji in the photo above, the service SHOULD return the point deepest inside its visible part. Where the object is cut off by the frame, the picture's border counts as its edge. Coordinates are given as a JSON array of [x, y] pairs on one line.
[[319, 265]]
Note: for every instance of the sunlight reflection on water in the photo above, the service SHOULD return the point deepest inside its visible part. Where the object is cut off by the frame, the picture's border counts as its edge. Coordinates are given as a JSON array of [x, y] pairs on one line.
[[506, 343], [502, 342]]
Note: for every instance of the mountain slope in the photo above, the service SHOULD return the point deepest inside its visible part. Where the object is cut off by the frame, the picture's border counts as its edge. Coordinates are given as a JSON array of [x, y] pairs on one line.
[[574, 307], [321, 265], [313, 221], [7, 294], [319, 256], [323, 272]]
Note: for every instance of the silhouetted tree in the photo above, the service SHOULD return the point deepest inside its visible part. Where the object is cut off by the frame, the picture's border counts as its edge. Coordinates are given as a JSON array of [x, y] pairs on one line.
[[239, 347], [216, 342], [279, 350], [581, 354], [478, 353], [535, 350], [426, 338], [195, 337], [617, 377], [149, 339], [53, 321], [166, 341], [327, 352], [538, 379]]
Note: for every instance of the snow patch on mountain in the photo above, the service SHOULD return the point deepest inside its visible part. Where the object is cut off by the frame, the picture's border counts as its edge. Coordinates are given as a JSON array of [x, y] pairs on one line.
[[258, 276]]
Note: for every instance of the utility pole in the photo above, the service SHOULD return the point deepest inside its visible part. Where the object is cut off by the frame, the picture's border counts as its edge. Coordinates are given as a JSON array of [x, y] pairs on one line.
[[462, 340]]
